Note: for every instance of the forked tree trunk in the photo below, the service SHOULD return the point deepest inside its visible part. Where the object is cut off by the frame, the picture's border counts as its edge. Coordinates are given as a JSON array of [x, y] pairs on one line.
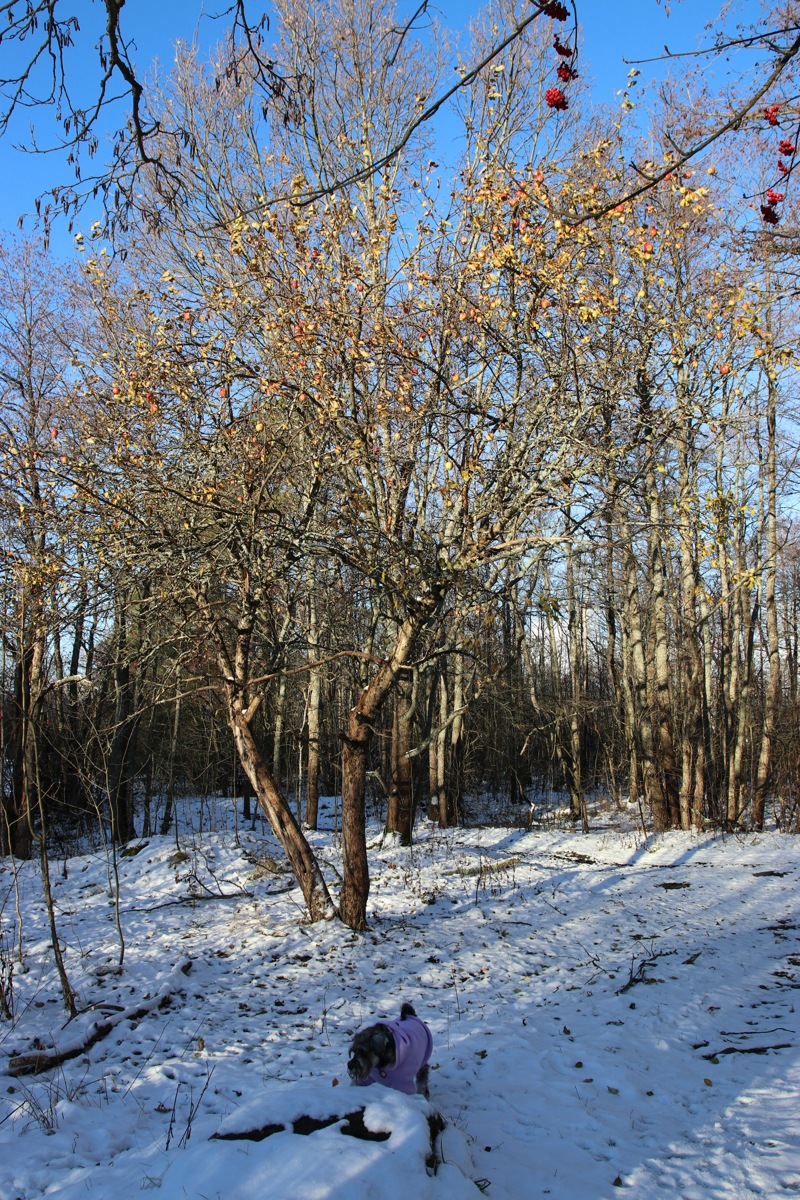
[[356, 741]]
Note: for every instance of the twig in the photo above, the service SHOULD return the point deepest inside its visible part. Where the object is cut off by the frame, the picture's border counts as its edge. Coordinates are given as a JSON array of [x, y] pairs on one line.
[[455, 989], [637, 973], [187, 1133]]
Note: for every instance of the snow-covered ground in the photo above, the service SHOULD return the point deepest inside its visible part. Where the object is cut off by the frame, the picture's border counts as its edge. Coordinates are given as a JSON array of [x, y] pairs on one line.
[[611, 1015]]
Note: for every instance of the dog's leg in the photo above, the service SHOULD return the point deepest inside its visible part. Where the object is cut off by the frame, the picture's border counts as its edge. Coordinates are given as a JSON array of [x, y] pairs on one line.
[[422, 1082]]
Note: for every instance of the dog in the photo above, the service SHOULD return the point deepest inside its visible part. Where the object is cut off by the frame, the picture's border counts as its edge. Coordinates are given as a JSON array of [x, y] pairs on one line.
[[393, 1053]]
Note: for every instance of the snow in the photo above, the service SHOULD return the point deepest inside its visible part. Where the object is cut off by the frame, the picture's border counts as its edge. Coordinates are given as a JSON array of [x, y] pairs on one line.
[[611, 1015]]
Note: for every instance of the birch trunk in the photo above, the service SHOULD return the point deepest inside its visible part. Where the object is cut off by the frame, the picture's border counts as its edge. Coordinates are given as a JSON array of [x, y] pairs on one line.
[[314, 714]]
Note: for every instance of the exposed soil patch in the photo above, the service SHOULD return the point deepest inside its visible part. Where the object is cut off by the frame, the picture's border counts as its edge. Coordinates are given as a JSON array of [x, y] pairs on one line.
[[354, 1127]]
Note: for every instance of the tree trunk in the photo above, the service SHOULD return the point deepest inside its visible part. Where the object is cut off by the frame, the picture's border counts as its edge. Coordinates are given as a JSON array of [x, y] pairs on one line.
[[355, 888], [356, 740], [668, 771], [247, 796], [437, 773], [401, 811], [743, 714], [561, 722], [277, 729], [694, 738], [19, 810], [661, 659], [314, 721], [122, 754], [28, 684], [280, 816], [451, 803], [772, 693], [169, 803], [742, 626], [577, 802], [654, 792], [67, 991]]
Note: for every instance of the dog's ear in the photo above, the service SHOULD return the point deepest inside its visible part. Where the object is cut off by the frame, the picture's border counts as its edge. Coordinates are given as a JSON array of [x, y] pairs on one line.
[[385, 1039]]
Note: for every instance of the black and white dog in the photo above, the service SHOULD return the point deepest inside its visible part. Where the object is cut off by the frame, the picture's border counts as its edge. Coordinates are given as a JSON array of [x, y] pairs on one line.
[[393, 1053]]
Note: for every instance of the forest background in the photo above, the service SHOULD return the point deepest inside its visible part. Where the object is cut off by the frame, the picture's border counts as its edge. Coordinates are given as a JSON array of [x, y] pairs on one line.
[[336, 460]]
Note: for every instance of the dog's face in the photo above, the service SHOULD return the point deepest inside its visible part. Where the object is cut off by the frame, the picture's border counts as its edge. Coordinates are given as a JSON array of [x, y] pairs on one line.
[[370, 1048]]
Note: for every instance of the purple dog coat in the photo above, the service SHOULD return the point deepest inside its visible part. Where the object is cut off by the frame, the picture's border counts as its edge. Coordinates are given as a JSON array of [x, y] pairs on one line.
[[413, 1045]]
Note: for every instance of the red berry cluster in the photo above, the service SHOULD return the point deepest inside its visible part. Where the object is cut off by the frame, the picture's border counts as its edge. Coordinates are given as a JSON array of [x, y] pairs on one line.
[[787, 148], [554, 96], [768, 212]]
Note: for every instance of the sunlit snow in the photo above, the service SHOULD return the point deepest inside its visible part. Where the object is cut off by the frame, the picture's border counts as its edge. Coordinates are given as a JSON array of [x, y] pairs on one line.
[[612, 1015]]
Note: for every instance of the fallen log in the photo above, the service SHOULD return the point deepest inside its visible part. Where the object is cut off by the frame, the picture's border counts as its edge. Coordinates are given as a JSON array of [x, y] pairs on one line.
[[44, 1060], [718, 1054]]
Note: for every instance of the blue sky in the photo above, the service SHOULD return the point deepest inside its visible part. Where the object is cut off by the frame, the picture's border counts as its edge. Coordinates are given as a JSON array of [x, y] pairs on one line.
[[613, 30]]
